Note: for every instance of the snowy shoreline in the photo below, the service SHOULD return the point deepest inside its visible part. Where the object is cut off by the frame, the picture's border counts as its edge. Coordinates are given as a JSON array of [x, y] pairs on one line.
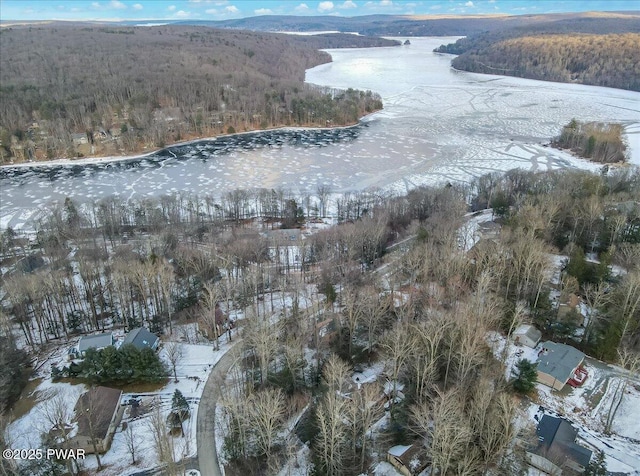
[[436, 127], [113, 158]]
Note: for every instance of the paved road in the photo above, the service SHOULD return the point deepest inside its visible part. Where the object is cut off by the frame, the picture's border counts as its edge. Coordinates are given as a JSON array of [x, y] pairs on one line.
[[205, 426], [205, 429]]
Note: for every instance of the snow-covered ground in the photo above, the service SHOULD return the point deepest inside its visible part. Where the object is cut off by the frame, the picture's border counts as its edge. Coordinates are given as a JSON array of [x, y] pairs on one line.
[[586, 407], [368, 375], [511, 354], [300, 465], [192, 369], [438, 125], [25, 431], [626, 425], [470, 233], [385, 469], [196, 360]]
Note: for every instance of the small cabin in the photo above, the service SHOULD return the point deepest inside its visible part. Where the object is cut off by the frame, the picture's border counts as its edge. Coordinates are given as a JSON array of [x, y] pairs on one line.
[[410, 460], [527, 335]]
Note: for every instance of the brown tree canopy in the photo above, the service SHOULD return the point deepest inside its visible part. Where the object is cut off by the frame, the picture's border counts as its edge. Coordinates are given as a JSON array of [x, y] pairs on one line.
[[601, 60], [72, 89], [599, 49]]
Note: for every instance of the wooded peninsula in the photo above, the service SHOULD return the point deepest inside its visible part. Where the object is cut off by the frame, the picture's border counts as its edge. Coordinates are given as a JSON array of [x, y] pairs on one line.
[[597, 141], [600, 51], [74, 90]]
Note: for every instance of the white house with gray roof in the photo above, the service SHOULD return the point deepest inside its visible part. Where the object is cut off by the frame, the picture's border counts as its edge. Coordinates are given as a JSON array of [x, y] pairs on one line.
[[96, 341], [557, 363], [527, 335]]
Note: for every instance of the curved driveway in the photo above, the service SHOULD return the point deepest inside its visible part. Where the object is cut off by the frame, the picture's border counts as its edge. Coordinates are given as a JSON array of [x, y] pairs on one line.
[[205, 426]]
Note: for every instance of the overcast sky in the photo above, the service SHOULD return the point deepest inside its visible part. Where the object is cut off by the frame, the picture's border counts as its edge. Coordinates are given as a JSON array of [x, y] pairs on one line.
[[226, 9]]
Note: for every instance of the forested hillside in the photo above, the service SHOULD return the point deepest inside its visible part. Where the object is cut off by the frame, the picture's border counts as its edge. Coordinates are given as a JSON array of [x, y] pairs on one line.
[[78, 89], [422, 311], [405, 25], [602, 52]]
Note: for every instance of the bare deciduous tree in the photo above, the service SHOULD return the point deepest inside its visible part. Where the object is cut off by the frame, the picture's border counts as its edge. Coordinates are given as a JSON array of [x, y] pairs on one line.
[[57, 417], [132, 441], [362, 411], [428, 337], [174, 355], [498, 430], [397, 346], [630, 361], [262, 338], [376, 313], [443, 423], [323, 192], [596, 295], [266, 411], [352, 313], [629, 304], [332, 432], [162, 439]]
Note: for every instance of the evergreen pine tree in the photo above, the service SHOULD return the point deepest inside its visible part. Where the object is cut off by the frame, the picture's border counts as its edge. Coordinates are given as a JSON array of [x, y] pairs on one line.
[[578, 266], [525, 375], [112, 364], [179, 411], [179, 405]]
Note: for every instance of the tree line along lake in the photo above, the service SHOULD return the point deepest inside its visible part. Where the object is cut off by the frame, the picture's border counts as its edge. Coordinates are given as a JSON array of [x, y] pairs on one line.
[[437, 125]]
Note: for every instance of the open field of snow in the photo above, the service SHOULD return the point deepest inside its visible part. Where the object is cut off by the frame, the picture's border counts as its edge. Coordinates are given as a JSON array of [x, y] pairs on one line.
[[626, 425], [438, 125]]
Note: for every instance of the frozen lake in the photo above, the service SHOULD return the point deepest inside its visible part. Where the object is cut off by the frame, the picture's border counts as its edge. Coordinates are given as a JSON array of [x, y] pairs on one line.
[[437, 125]]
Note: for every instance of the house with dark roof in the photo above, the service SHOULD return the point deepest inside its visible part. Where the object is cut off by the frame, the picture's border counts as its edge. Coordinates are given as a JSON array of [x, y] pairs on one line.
[[98, 413], [556, 451], [558, 364], [141, 338]]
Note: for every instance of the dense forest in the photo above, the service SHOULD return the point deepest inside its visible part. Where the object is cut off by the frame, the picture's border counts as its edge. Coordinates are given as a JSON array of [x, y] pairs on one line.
[[69, 90], [602, 52], [597, 141], [404, 283], [164, 262]]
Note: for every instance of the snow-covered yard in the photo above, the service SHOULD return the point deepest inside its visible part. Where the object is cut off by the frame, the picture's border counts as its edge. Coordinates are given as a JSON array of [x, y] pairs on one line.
[[628, 422], [192, 369], [25, 431], [586, 407]]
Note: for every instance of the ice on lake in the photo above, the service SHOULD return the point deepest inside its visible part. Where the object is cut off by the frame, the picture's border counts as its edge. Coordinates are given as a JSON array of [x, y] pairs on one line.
[[437, 125]]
